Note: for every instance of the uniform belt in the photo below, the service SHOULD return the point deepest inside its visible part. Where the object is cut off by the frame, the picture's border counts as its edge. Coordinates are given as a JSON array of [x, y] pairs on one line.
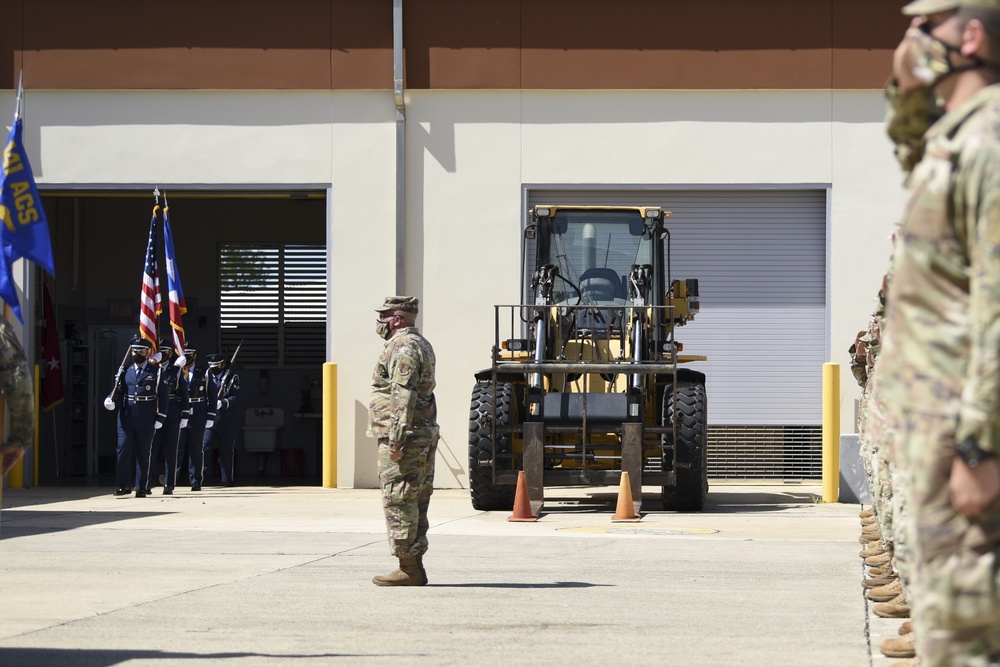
[[197, 400], [141, 399], [175, 397]]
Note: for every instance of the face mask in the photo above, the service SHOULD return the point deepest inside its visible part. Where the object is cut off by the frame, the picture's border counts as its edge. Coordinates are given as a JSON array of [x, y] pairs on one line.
[[382, 329], [138, 358], [933, 57]]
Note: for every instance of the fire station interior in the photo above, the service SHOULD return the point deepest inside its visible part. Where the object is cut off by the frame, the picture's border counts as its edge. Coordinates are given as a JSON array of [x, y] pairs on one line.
[[252, 266]]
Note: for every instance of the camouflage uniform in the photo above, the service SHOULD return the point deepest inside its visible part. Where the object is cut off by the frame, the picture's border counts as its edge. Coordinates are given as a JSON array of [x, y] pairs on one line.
[[402, 414], [873, 433], [15, 383], [939, 377]]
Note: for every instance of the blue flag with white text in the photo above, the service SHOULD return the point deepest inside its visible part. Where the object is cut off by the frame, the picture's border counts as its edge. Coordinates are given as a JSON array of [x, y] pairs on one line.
[[24, 230]]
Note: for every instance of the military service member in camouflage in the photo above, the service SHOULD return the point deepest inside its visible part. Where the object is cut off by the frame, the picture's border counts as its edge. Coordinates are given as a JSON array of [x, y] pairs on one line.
[[402, 415], [939, 369], [15, 383]]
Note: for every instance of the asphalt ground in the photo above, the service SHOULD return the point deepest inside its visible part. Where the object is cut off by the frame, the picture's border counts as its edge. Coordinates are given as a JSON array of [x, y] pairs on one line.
[[262, 575]]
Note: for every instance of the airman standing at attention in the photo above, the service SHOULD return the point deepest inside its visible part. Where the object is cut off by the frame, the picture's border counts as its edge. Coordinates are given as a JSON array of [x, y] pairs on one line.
[[15, 383], [402, 414], [939, 370]]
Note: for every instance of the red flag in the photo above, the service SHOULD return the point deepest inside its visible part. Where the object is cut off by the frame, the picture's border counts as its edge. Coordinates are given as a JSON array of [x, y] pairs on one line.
[[52, 382], [150, 304]]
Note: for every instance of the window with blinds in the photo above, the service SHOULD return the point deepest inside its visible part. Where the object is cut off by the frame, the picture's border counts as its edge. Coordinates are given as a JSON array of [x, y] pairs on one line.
[[272, 299]]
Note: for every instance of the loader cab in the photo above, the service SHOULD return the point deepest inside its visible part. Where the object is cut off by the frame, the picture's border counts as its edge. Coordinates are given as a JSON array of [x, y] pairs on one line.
[[595, 249]]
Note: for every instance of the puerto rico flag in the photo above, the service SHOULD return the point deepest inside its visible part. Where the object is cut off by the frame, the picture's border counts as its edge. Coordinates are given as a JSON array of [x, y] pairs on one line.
[[175, 293]]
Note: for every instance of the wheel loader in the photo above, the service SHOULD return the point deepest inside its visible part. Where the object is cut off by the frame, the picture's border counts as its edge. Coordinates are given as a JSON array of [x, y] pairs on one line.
[[586, 381]]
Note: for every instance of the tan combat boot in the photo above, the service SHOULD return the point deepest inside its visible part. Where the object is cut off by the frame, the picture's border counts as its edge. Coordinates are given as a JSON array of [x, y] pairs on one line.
[[877, 582], [886, 593], [899, 648], [870, 521], [874, 550], [882, 571], [881, 559], [408, 574], [894, 608], [864, 514], [867, 538], [906, 628], [870, 528]]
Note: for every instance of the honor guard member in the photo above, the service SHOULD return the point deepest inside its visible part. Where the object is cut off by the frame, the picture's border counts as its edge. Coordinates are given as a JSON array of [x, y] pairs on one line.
[[173, 393], [402, 414], [135, 397], [224, 388], [190, 450], [15, 383]]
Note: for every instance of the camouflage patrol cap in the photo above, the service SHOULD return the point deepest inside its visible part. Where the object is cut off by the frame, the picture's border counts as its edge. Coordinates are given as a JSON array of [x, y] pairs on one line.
[[924, 7], [405, 304]]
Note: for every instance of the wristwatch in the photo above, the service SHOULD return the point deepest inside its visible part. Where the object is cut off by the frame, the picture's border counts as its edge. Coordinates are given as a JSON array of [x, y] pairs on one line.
[[972, 453]]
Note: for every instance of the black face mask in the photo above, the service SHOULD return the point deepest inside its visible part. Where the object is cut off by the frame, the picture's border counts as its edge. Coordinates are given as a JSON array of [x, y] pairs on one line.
[[138, 357]]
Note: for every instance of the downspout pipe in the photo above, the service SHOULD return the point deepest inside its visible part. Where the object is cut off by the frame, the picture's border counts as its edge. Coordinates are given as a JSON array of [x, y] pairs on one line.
[[397, 94]]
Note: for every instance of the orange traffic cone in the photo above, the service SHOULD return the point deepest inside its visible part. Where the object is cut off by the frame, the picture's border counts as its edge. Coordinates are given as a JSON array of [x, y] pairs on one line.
[[625, 511], [522, 505]]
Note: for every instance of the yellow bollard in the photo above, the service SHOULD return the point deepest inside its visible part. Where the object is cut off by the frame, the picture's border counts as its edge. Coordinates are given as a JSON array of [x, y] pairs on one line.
[[329, 426], [831, 432]]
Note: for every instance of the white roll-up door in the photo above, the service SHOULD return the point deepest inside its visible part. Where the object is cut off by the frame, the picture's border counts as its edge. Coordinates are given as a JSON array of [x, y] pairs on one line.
[[760, 260]]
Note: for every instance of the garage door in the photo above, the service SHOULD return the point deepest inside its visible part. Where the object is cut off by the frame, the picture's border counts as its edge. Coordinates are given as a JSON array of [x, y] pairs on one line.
[[760, 259]]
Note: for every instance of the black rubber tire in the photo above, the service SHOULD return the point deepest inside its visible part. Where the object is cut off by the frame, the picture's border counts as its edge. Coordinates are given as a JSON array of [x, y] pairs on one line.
[[692, 447], [486, 495]]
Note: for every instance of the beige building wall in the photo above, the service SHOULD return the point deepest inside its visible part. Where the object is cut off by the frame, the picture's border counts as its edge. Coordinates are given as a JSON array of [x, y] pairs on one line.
[[468, 155]]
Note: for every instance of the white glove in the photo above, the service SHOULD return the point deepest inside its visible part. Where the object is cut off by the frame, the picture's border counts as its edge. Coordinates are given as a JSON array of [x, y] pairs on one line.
[[109, 403], [218, 405], [184, 423], [209, 424], [158, 425]]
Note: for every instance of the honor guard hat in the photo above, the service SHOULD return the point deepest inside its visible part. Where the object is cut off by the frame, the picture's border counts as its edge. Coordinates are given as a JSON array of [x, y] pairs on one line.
[[924, 7], [140, 342], [190, 349], [405, 304], [215, 360], [166, 346]]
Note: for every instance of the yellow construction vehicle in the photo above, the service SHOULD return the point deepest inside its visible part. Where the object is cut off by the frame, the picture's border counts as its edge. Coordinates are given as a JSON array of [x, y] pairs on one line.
[[585, 382]]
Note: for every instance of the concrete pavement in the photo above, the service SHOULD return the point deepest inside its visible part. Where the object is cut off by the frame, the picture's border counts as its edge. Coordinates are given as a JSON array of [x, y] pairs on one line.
[[259, 575]]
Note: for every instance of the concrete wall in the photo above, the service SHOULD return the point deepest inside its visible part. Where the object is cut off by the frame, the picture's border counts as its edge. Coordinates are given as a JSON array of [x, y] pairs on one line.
[[468, 155]]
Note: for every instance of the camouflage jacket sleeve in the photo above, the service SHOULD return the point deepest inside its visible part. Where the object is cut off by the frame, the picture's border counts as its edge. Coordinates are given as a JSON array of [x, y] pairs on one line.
[[16, 384], [404, 367], [977, 203], [910, 113]]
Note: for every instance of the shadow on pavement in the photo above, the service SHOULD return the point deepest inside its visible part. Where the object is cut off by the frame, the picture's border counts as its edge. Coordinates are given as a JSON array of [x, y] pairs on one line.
[[718, 502], [556, 584], [24, 523], [54, 657]]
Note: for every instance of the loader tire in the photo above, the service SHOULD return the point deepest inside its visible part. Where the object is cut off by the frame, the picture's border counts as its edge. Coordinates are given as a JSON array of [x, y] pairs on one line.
[[691, 489], [483, 458]]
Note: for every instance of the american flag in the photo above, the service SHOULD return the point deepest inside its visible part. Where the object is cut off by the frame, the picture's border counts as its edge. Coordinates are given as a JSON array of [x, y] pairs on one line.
[[174, 292], [150, 305]]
